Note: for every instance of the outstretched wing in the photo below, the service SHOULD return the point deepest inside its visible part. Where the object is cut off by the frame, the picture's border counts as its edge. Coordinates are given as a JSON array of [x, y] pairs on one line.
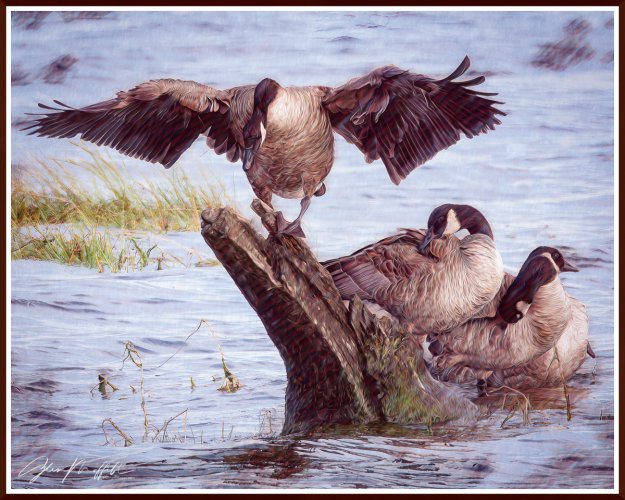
[[155, 121], [405, 119], [225, 134], [377, 267]]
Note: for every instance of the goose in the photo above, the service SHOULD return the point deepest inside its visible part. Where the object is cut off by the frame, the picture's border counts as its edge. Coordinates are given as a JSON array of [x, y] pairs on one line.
[[284, 135], [556, 365], [535, 321], [433, 291]]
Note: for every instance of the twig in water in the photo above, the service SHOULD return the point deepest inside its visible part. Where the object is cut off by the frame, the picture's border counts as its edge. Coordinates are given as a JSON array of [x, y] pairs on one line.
[[159, 261], [127, 439], [265, 415], [102, 384], [202, 322]]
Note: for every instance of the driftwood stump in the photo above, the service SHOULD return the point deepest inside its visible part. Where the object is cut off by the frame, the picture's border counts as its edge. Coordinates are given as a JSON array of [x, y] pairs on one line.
[[344, 365]]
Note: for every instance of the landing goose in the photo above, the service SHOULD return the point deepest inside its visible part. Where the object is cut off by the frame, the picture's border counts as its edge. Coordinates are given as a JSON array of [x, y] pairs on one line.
[[515, 347], [430, 292], [284, 135]]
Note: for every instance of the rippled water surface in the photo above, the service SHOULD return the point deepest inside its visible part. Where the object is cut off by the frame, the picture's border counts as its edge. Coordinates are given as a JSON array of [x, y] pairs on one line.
[[545, 176]]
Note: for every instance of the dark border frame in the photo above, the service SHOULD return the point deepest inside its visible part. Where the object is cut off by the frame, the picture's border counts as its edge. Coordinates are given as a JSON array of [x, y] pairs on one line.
[[317, 3]]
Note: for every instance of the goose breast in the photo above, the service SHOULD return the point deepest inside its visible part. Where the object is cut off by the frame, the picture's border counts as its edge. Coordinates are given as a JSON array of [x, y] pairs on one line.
[[298, 150]]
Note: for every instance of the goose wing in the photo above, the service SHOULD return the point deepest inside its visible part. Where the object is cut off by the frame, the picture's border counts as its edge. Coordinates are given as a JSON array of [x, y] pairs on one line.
[[405, 119], [156, 121], [378, 266]]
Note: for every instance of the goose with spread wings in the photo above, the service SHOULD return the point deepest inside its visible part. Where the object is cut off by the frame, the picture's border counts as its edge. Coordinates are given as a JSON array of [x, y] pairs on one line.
[[284, 135]]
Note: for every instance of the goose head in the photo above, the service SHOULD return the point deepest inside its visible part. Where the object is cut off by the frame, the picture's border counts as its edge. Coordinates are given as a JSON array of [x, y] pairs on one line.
[[541, 267], [451, 218], [556, 257], [255, 129]]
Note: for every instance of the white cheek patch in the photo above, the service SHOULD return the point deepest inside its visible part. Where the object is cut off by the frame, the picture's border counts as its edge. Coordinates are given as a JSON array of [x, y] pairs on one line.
[[263, 133], [453, 225], [522, 307], [553, 262]]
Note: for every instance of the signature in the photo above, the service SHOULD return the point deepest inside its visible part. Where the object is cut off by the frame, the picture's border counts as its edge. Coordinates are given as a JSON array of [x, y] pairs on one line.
[[80, 466]]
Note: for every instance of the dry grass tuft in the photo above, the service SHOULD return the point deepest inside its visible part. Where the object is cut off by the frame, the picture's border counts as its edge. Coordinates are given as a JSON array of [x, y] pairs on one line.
[[519, 402], [231, 382], [53, 193]]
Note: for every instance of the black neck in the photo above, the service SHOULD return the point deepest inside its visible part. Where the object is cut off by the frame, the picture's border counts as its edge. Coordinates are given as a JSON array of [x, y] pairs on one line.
[[264, 93], [473, 221], [479, 227], [535, 273]]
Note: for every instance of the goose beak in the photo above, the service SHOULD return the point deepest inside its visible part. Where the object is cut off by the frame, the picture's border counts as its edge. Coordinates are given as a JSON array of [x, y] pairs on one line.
[[247, 159], [569, 267], [429, 236]]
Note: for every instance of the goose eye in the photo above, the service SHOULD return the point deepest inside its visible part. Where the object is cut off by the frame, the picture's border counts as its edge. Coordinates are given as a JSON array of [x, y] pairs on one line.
[[556, 255], [518, 316]]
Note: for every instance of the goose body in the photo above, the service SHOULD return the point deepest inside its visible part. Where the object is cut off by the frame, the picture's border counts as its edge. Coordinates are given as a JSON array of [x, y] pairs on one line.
[[429, 293], [519, 354], [285, 135], [298, 150], [558, 363], [482, 344]]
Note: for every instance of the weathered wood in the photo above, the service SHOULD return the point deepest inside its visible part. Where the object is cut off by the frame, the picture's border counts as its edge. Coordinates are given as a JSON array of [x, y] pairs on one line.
[[343, 365]]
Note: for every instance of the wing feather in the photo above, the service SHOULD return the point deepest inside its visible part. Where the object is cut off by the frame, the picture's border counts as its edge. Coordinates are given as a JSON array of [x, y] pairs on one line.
[[155, 121], [405, 119], [379, 266]]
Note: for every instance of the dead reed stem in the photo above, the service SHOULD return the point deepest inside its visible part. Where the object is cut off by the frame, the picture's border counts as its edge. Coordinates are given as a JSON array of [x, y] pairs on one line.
[[134, 356], [524, 407], [163, 430], [569, 412]]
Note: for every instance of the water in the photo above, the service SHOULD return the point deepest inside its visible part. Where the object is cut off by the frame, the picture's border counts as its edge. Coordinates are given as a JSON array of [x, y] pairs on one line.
[[545, 176]]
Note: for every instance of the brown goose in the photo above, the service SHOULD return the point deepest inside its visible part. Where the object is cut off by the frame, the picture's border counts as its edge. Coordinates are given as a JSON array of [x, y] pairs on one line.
[[515, 347], [284, 135], [558, 363], [433, 292]]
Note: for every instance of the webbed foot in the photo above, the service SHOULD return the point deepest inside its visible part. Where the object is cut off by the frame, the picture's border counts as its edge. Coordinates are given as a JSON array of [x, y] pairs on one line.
[[283, 226]]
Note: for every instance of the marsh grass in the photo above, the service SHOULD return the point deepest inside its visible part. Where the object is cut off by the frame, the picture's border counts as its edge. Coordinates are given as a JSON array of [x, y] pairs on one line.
[[90, 247], [83, 211], [56, 192]]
